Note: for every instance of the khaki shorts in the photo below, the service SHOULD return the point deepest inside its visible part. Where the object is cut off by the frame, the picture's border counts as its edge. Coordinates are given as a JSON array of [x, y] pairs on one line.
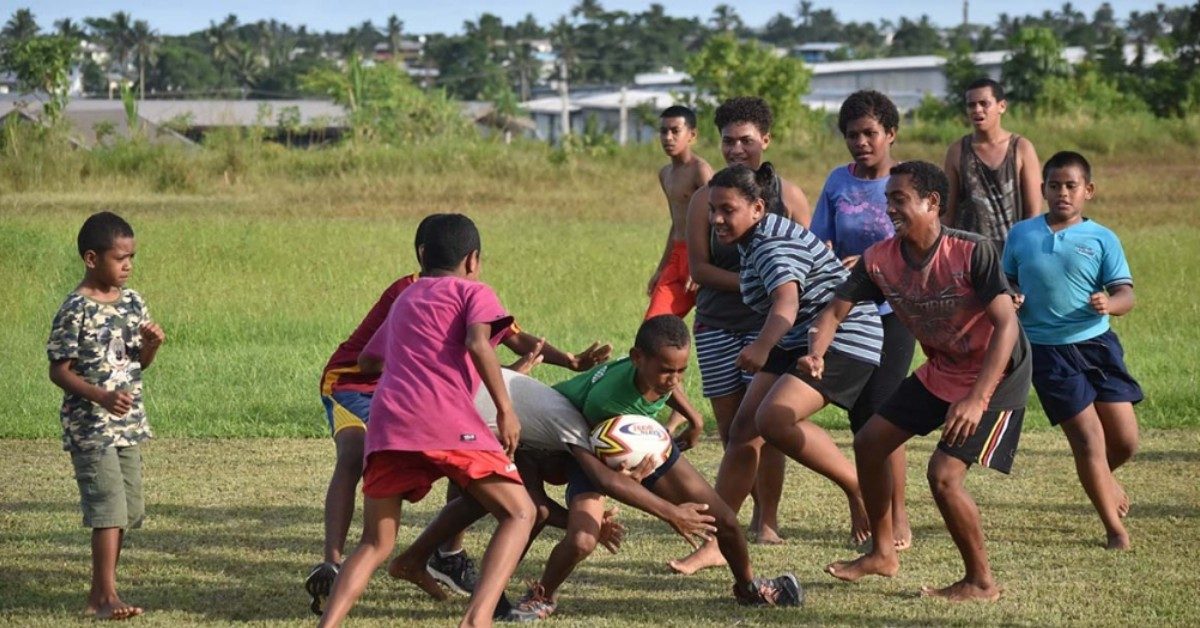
[[110, 487]]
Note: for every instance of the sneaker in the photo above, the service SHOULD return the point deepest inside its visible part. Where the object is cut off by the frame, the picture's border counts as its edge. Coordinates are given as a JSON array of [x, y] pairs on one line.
[[782, 591], [456, 571], [319, 582], [503, 608], [534, 605]]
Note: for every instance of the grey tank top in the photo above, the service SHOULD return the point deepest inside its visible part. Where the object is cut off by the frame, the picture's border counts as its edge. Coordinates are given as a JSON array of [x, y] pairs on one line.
[[719, 309], [990, 200]]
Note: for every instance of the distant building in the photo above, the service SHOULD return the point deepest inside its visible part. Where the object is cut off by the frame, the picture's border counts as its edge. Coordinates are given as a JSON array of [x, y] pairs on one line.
[[628, 115], [815, 52]]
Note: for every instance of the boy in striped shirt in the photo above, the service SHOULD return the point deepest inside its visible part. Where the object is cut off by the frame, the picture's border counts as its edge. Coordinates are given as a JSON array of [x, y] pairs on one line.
[[947, 287]]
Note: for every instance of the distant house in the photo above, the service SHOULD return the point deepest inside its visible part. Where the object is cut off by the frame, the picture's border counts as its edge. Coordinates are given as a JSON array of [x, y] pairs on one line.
[[617, 112], [91, 126], [815, 52]]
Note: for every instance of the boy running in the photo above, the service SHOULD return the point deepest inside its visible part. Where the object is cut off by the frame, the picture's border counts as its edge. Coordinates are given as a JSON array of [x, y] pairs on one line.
[[101, 340], [993, 172], [1073, 275], [948, 289], [671, 289], [649, 379], [433, 349]]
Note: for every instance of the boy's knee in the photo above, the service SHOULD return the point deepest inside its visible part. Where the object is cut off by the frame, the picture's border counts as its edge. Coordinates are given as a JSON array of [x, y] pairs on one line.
[[942, 477], [542, 514], [1122, 450], [580, 544]]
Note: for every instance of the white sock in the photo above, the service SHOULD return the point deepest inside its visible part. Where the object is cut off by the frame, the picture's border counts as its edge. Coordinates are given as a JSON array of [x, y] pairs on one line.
[[442, 554]]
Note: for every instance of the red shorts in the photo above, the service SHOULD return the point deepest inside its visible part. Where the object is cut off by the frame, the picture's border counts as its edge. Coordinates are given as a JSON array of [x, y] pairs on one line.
[[410, 474], [670, 295]]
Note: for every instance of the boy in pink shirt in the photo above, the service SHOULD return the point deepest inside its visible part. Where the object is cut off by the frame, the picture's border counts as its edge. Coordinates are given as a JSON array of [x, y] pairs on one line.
[[433, 350]]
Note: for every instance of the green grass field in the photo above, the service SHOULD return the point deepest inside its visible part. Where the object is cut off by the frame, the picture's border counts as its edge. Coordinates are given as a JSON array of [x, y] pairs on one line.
[[257, 263]]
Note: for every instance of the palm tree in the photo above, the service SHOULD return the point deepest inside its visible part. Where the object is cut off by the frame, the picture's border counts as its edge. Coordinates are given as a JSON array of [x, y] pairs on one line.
[[70, 29], [114, 33], [20, 27], [145, 47], [725, 19], [223, 42], [394, 28]]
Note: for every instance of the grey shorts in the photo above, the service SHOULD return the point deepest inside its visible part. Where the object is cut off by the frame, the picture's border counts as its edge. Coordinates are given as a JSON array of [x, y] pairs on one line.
[[716, 352], [110, 487]]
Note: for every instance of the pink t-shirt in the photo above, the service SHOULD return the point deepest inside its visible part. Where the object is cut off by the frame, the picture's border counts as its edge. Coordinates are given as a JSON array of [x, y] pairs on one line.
[[426, 394]]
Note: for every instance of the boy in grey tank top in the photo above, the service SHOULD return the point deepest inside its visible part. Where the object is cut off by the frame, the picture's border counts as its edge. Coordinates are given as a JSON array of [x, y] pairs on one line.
[[994, 177]]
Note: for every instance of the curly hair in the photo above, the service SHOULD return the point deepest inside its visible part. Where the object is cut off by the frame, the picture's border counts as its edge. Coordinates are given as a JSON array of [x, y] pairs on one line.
[[926, 179], [750, 109], [869, 103]]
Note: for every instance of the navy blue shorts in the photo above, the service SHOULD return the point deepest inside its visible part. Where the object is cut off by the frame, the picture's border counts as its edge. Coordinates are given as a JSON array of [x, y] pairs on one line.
[[579, 483], [1069, 378]]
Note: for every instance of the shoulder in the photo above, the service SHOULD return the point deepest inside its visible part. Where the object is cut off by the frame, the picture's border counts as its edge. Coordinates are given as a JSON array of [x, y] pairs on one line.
[[787, 188], [954, 151], [838, 174]]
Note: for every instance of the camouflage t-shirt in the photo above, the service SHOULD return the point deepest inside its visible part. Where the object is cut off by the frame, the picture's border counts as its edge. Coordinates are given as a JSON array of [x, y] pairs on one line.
[[104, 342]]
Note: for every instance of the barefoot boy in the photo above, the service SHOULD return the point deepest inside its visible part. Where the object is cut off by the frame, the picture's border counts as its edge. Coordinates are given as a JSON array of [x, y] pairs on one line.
[[649, 379], [346, 393], [101, 340], [671, 289], [947, 288], [1073, 275], [433, 349], [993, 172]]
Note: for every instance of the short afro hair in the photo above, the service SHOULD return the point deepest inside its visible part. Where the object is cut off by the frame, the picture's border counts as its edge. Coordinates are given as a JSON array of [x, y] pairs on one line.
[[448, 240], [1066, 159], [869, 103], [666, 330], [750, 109], [679, 111], [926, 179], [99, 232], [423, 232], [992, 84]]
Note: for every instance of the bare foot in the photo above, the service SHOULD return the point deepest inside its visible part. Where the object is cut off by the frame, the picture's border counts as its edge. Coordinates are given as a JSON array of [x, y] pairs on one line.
[[766, 535], [963, 591], [416, 574], [1119, 541], [903, 542], [709, 555], [865, 565], [901, 530], [115, 611], [1122, 500]]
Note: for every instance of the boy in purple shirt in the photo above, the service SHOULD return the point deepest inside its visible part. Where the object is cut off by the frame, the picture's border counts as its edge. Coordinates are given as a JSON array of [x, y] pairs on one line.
[[432, 351]]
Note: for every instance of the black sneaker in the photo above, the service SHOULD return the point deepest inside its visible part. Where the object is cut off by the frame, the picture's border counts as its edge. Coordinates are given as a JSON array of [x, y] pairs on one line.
[[503, 608], [782, 591], [318, 584], [456, 571]]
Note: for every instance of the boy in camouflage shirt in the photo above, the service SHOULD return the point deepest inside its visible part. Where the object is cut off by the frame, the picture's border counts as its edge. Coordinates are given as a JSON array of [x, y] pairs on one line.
[[101, 339]]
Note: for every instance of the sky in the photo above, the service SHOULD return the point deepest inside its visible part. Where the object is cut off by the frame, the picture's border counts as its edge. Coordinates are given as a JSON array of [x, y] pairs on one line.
[[174, 18]]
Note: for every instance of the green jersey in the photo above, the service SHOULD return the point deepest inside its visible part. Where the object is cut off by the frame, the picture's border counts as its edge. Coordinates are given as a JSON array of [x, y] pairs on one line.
[[608, 390]]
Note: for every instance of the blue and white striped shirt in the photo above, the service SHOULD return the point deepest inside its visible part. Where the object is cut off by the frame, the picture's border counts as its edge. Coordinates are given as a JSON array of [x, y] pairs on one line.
[[781, 251]]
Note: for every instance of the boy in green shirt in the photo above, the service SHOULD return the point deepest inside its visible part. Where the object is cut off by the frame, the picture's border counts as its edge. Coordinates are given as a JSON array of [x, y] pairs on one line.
[[649, 379]]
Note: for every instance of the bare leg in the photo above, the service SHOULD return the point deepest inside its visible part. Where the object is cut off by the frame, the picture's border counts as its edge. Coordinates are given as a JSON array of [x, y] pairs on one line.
[[1086, 436], [874, 447], [381, 520], [454, 517], [1120, 441], [682, 484], [453, 544], [583, 531], [901, 530], [103, 601], [768, 483], [508, 502], [343, 486], [783, 421], [946, 477]]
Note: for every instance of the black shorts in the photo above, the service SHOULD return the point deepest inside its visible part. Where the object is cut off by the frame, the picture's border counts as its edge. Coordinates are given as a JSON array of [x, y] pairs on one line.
[[994, 444], [1069, 378], [841, 383], [894, 364], [579, 483]]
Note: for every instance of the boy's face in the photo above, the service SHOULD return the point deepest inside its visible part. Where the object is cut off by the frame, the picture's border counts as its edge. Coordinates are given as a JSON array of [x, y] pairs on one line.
[[675, 136], [660, 371], [731, 215], [1066, 192], [869, 143], [113, 266], [907, 210], [983, 109], [742, 143]]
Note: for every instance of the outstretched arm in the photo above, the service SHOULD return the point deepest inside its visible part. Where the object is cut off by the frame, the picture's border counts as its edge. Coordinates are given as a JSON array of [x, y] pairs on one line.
[[522, 343]]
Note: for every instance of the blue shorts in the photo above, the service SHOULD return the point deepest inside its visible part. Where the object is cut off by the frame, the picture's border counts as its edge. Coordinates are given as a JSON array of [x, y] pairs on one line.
[[716, 351], [1069, 378], [346, 409], [579, 483]]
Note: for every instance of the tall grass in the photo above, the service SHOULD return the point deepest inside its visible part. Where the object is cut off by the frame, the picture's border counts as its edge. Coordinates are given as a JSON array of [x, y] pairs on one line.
[[259, 260]]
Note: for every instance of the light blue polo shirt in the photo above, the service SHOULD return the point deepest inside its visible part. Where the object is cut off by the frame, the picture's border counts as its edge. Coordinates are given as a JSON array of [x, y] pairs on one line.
[[1058, 272]]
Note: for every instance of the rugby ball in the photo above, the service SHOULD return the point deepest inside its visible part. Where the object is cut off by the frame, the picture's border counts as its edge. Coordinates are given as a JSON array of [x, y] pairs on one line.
[[627, 439]]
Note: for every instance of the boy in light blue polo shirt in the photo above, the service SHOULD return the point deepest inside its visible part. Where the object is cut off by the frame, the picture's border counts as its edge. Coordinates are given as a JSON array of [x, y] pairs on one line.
[[1073, 275]]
